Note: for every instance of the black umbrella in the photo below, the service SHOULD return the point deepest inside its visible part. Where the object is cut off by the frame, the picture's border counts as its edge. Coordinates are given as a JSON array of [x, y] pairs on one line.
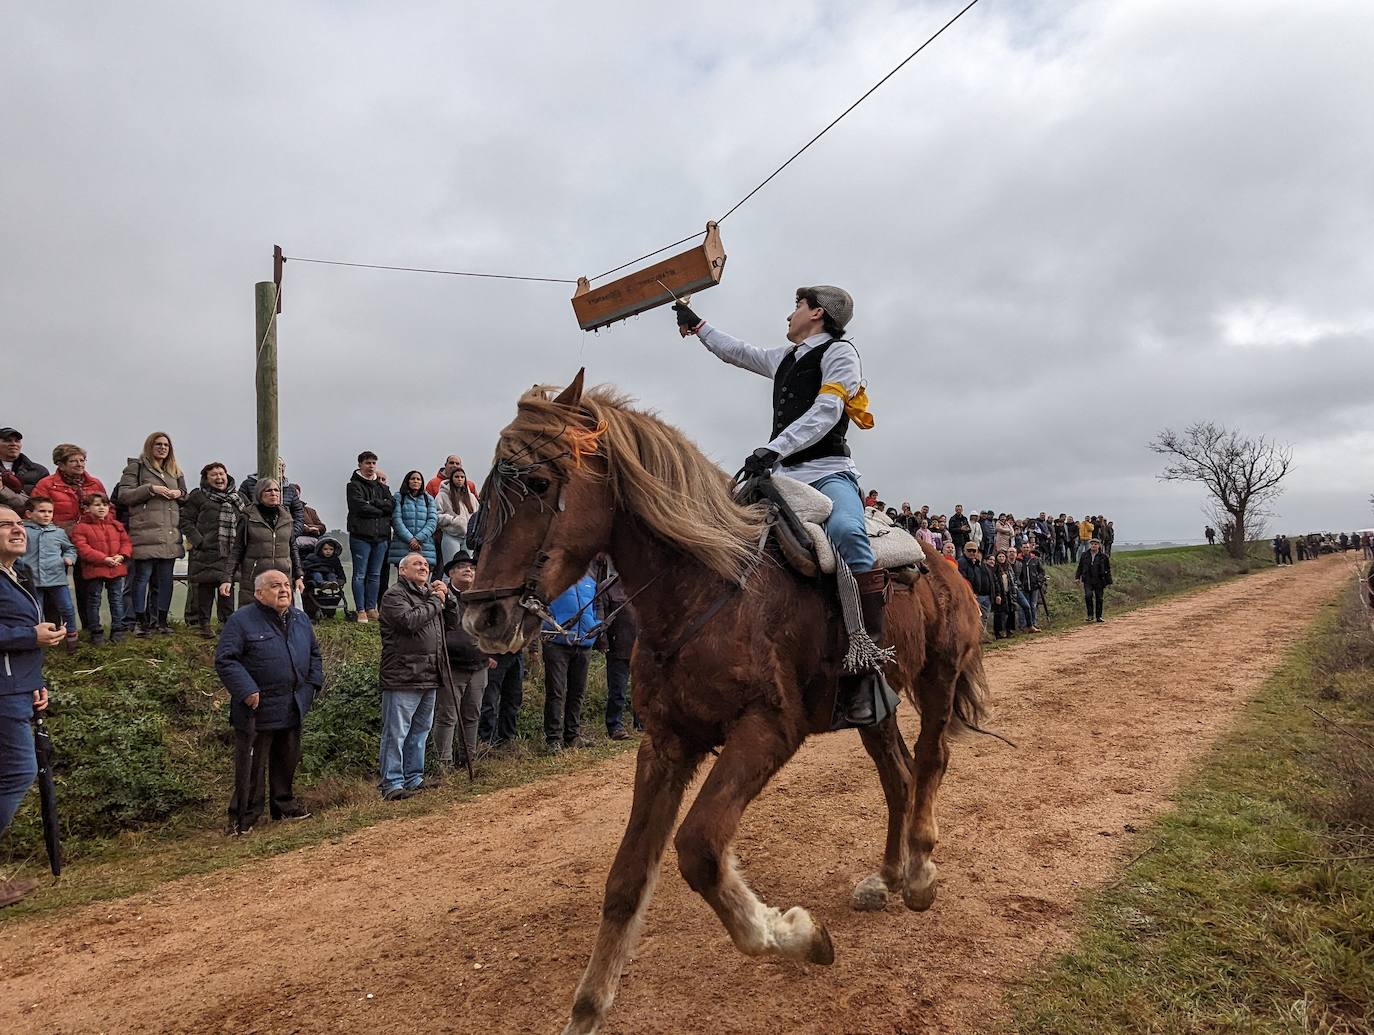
[[47, 792]]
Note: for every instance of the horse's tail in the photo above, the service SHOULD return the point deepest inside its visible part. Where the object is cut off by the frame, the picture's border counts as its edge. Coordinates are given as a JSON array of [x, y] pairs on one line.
[[971, 706]]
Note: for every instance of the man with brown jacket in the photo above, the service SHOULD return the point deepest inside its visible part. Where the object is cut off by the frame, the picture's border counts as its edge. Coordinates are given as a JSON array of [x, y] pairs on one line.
[[414, 668]]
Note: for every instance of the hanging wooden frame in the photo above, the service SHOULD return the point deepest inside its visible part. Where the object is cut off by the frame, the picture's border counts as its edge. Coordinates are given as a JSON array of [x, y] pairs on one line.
[[656, 285]]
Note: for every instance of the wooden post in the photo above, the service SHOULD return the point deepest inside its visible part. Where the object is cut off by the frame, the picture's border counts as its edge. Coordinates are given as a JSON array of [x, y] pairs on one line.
[[266, 366]]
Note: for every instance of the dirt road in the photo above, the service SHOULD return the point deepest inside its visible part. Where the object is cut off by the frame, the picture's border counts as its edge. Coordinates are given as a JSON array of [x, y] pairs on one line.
[[480, 919]]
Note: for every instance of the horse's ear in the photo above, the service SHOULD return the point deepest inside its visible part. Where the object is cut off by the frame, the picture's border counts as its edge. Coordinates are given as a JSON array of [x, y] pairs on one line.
[[572, 395]]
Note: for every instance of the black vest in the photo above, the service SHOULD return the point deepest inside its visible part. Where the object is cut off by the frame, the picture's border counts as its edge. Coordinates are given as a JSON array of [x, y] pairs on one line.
[[795, 388]]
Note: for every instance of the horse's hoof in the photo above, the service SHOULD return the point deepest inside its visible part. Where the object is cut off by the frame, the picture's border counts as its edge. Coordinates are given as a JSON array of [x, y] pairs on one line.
[[822, 948], [919, 892], [869, 895]]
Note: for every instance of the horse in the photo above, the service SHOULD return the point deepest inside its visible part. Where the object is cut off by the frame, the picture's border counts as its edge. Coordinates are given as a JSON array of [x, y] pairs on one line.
[[737, 656]]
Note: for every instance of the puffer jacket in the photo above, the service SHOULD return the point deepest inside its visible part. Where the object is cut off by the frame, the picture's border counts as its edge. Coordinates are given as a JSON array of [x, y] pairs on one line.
[[414, 652], [66, 498], [576, 598], [325, 569], [21, 659], [95, 540], [369, 509], [47, 555], [279, 661], [262, 546], [209, 563], [154, 521], [414, 517]]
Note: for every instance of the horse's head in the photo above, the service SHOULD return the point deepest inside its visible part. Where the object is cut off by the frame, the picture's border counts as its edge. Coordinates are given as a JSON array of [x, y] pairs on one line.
[[546, 512]]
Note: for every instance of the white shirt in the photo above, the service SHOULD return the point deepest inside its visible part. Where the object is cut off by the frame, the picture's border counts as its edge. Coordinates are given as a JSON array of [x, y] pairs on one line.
[[840, 363]]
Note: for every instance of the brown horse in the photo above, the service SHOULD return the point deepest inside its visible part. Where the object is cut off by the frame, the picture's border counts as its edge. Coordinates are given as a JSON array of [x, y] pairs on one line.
[[735, 652]]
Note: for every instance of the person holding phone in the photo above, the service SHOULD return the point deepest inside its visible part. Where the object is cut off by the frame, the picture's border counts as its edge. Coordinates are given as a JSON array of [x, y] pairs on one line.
[[23, 688]]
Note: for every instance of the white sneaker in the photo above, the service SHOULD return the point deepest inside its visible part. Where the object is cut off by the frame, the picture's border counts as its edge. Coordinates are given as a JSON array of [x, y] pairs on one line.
[[362, 617]]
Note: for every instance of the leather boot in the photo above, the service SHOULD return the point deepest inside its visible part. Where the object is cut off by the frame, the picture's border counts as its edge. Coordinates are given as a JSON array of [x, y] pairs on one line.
[[857, 689]]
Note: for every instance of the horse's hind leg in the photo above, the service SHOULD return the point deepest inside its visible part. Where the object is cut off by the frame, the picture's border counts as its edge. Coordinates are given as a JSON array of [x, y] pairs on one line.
[[936, 687], [662, 771], [888, 750], [754, 751]]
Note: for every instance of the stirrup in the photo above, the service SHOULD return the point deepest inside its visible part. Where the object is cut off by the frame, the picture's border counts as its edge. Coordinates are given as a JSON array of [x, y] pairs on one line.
[[863, 688]]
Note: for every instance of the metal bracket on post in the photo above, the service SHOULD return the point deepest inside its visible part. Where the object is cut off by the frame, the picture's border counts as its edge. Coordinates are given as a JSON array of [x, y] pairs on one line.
[[278, 259]]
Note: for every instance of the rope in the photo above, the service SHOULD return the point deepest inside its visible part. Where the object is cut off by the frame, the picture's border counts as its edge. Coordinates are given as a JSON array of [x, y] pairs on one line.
[[417, 269], [659, 251], [842, 114]]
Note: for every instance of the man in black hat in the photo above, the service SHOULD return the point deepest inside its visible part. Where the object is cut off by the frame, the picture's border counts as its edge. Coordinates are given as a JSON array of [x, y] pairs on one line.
[[18, 474], [462, 698], [817, 392]]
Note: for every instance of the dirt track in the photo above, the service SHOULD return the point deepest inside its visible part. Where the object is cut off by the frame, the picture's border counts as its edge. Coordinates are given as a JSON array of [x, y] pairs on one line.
[[1108, 719]]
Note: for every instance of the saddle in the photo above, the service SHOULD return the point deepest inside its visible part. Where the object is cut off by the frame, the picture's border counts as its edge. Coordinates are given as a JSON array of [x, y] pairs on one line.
[[798, 513]]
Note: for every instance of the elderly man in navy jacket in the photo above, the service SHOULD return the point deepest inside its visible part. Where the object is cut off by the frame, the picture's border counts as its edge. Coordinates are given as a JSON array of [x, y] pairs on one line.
[[269, 662], [23, 635]]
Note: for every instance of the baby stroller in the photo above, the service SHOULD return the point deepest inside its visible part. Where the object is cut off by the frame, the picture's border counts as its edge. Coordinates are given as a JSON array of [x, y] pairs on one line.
[[323, 600]]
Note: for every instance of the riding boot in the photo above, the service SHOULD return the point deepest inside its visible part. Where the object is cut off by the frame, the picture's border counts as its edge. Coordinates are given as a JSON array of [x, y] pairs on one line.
[[858, 690]]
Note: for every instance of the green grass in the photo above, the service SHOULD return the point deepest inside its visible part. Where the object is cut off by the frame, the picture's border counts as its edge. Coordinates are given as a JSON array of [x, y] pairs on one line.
[[1251, 908]]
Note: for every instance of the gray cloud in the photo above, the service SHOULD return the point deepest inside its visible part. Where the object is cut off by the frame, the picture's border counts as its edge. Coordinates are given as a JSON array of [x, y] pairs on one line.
[[1054, 223]]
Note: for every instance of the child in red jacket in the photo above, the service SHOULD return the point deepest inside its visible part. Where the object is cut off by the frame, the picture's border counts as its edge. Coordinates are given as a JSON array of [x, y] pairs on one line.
[[103, 549]]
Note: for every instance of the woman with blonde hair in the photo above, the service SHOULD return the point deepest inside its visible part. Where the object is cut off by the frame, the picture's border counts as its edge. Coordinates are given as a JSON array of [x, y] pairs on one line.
[[153, 488]]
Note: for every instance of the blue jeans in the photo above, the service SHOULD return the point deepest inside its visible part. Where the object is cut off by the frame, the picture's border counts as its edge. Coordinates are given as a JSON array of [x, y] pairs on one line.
[[1027, 607], [59, 598], [368, 561], [407, 716], [18, 765], [984, 607], [153, 587], [115, 590], [845, 527]]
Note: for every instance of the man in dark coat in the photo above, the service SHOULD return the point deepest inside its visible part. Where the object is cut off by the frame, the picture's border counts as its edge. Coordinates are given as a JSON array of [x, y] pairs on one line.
[[1094, 574], [269, 662], [978, 577], [18, 474], [414, 667], [370, 504], [958, 528], [23, 690]]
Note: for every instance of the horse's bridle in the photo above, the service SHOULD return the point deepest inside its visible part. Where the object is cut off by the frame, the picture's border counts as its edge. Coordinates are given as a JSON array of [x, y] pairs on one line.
[[508, 472]]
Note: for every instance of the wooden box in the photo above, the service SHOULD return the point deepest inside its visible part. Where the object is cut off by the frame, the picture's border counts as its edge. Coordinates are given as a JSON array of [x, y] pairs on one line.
[[651, 287]]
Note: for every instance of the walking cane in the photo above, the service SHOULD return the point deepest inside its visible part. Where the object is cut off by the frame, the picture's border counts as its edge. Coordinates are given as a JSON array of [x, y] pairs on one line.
[[244, 784]]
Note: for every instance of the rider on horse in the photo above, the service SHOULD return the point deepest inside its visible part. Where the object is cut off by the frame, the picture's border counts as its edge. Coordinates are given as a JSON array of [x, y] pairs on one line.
[[817, 392]]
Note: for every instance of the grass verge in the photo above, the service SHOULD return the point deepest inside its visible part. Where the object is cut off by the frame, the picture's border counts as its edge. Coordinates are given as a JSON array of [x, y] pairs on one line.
[[1252, 907]]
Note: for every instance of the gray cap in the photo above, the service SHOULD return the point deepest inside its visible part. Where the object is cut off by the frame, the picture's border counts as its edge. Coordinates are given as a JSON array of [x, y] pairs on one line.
[[835, 301]]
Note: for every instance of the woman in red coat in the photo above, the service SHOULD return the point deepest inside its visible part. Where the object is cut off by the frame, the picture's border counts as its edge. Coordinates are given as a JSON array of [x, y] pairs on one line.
[[65, 487]]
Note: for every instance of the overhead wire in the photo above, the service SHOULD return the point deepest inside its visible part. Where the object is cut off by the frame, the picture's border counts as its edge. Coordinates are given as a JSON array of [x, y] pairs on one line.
[[692, 236]]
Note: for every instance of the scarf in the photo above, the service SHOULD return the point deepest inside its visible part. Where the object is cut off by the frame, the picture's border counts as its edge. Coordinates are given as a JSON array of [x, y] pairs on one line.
[[230, 505]]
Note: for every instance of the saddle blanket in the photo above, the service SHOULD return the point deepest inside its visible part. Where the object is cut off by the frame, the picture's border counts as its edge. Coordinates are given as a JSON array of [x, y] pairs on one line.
[[893, 546]]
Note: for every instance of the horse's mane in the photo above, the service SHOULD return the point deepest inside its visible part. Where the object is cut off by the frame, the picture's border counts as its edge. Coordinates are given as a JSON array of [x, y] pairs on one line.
[[654, 471]]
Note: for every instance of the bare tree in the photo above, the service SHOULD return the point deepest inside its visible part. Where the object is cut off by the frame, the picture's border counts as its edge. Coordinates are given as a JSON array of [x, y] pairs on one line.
[[1242, 475]]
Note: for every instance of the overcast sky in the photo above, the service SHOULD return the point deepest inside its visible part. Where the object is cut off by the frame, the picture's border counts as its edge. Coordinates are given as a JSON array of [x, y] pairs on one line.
[[1065, 226]]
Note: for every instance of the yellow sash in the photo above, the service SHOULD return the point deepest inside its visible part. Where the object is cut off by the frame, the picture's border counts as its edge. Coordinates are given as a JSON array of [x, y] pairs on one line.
[[855, 406]]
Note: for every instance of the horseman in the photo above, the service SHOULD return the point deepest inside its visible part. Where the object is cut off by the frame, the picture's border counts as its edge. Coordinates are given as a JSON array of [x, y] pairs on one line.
[[817, 393]]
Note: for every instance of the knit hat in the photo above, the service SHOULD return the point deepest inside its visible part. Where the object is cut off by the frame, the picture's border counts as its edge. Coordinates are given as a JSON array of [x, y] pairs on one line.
[[835, 301]]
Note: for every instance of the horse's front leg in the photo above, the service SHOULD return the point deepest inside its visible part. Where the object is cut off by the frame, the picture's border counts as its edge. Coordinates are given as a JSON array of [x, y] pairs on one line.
[[931, 757], [662, 771], [755, 749], [888, 750]]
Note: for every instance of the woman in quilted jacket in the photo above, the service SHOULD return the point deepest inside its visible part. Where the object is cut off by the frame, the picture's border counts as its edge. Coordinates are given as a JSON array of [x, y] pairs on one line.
[[153, 488], [413, 520]]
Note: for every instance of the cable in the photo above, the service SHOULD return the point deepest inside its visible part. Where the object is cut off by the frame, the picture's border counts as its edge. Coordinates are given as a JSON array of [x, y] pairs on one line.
[[416, 269], [846, 112], [658, 251]]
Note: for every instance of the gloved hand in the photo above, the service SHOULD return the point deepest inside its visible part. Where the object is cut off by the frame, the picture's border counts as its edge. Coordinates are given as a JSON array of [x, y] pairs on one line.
[[760, 462], [687, 321]]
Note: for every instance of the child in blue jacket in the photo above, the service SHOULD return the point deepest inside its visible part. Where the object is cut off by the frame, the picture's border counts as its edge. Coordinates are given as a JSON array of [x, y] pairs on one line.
[[48, 561]]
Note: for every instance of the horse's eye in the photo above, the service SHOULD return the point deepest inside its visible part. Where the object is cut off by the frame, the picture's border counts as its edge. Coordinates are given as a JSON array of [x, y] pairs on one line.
[[538, 486]]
